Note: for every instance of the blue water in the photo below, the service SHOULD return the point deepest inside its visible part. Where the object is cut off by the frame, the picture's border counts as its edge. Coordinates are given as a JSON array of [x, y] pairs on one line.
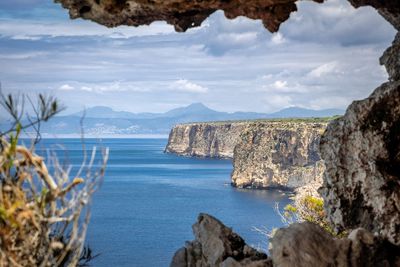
[[145, 208]]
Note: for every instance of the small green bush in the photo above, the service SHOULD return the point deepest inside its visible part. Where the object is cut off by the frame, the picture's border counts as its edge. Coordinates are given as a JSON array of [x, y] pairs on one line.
[[310, 209]]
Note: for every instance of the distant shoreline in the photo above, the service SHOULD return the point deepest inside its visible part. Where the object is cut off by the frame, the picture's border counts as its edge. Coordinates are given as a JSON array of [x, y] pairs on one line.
[[108, 136]]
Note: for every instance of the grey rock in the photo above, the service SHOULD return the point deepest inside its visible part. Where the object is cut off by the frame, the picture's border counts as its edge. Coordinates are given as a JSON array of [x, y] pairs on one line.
[[265, 153], [308, 245], [217, 245], [216, 140], [361, 185], [278, 154]]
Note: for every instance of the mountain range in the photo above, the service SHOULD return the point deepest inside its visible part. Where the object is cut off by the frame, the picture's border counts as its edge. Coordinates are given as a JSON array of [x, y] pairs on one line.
[[100, 120]]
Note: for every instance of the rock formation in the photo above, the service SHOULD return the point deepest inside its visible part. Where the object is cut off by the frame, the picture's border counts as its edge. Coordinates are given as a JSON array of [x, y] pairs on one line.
[[217, 245], [300, 245], [308, 245], [362, 152], [278, 154], [265, 153], [216, 140], [182, 14]]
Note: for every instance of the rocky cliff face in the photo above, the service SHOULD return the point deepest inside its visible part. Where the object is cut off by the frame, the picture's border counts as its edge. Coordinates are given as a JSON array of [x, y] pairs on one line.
[[362, 153], [265, 154], [278, 154], [215, 140]]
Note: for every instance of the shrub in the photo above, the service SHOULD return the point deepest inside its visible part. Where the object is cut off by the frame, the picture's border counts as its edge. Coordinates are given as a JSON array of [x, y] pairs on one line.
[[44, 212], [310, 209]]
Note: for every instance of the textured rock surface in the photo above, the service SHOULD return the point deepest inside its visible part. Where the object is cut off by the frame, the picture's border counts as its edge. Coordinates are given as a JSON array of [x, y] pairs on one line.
[[308, 245], [362, 154], [278, 154], [362, 151], [205, 139], [180, 13], [186, 14], [265, 154], [217, 245], [391, 59]]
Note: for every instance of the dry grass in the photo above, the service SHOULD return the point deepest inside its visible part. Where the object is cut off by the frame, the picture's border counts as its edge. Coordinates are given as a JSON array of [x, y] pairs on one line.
[[44, 214]]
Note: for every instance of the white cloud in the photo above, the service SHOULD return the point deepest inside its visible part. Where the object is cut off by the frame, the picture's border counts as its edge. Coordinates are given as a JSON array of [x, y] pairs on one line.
[[324, 69], [34, 30], [277, 38], [228, 64], [238, 38], [87, 88], [329, 102], [276, 102], [66, 87], [280, 84], [183, 85], [108, 87]]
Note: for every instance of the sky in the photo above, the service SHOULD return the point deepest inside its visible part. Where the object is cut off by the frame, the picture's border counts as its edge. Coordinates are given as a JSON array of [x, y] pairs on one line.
[[324, 56]]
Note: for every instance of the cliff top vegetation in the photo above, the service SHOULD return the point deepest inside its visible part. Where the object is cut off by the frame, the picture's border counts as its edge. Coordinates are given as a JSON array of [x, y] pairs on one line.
[[282, 120]]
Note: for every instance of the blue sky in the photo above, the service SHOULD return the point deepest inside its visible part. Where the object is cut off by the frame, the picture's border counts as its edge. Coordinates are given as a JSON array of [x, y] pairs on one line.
[[325, 56]]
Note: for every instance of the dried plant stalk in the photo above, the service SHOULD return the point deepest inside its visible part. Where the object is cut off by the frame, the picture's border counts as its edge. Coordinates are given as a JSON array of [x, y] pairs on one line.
[[44, 216]]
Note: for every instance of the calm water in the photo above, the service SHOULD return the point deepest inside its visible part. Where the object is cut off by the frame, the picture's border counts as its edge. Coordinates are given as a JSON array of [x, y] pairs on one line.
[[149, 200]]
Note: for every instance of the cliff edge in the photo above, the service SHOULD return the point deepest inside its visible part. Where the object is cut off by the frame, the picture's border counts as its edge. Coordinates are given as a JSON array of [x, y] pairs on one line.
[[214, 139], [265, 153], [278, 154]]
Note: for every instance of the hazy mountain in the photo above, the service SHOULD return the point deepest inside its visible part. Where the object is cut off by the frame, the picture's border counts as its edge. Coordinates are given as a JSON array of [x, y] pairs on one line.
[[105, 121]]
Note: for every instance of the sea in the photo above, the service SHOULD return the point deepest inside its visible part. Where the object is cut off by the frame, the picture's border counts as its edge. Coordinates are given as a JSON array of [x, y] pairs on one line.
[[149, 200]]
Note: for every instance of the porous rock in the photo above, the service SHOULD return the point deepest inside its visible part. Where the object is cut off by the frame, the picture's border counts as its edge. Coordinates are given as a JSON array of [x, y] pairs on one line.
[[361, 150]]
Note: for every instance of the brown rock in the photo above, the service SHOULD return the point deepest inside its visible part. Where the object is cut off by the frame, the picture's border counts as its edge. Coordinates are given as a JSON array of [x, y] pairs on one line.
[[180, 13]]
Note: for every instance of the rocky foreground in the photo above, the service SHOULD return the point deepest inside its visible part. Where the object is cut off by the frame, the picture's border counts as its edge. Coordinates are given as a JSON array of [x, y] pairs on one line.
[[301, 244], [265, 153]]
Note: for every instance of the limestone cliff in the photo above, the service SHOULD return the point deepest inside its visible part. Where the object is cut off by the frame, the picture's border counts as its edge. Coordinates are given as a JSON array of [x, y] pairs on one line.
[[278, 154], [215, 140], [265, 153]]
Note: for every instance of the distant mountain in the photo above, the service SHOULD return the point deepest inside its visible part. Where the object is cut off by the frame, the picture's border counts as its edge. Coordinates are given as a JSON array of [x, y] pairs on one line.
[[107, 112], [102, 120], [193, 109]]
